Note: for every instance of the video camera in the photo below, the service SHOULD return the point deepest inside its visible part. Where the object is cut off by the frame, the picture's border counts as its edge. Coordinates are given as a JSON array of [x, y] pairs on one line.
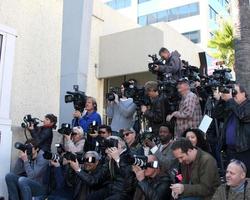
[[155, 61], [24, 147], [28, 120], [137, 94], [190, 72], [113, 90], [142, 161], [77, 97], [65, 129]]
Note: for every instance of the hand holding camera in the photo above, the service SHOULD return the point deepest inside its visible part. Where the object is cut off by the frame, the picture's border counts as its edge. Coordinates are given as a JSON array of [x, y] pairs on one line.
[[55, 163], [139, 172], [113, 153], [75, 165], [23, 155]]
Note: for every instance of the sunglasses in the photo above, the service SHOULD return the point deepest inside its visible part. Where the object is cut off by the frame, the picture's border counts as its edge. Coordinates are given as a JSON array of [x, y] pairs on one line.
[[126, 134], [239, 163], [101, 132]]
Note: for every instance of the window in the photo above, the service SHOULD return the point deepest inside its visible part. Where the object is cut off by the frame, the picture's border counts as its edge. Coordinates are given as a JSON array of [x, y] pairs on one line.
[[212, 13], [142, 20], [194, 36], [162, 16], [118, 4], [142, 1], [1, 42], [152, 18], [171, 14], [193, 9]]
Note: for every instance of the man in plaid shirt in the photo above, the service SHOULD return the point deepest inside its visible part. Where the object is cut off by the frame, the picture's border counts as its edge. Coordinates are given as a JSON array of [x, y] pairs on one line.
[[189, 114]]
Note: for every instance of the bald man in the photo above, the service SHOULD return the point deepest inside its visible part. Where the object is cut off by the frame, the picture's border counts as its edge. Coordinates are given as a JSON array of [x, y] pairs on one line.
[[237, 186]]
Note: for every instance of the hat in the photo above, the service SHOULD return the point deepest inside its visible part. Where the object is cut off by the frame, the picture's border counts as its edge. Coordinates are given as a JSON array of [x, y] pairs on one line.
[[183, 80]]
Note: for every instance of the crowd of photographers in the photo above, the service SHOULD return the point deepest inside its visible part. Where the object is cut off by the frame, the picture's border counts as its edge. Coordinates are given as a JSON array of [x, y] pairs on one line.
[[153, 148]]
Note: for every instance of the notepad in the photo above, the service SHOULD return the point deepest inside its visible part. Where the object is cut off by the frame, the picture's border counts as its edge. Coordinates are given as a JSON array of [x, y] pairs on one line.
[[205, 123]]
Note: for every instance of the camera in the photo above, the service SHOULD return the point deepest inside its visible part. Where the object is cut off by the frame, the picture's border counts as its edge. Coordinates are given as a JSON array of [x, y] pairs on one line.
[[59, 148], [190, 72], [223, 75], [147, 135], [109, 143], [73, 157], [24, 147], [142, 161], [28, 120], [77, 97], [50, 156], [113, 90], [169, 93], [155, 61], [93, 127], [65, 129], [137, 94]]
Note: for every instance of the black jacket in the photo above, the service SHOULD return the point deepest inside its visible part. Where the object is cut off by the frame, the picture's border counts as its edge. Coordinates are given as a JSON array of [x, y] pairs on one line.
[[43, 136], [153, 189], [88, 182], [242, 113], [122, 177], [156, 114]]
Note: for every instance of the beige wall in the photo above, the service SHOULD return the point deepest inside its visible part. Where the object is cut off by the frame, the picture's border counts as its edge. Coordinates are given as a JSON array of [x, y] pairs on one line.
[[35, 84], [104, 21]]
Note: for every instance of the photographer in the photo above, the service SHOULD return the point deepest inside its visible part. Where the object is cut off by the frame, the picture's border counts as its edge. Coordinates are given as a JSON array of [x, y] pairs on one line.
[[27, 181], [59, 186], [163, 151], [199, 172], [235, 110], [189, 114], [44, 135], [89, 117], [155, 113], [75, 141], [132, 140], [121, 110], [172, 64], [104, 131], [152, 185], [91, 177], [121, 182]]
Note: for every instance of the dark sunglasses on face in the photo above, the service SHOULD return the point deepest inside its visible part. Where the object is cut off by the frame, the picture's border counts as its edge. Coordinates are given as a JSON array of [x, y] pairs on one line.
[[101, 132], [126, 134]]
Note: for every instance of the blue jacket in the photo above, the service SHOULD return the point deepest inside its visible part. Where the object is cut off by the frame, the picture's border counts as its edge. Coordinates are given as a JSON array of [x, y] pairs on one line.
[[86, 120]]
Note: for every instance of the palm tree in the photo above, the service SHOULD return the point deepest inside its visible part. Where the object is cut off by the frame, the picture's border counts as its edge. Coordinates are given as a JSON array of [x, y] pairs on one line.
[[222, 44], [241, 16]]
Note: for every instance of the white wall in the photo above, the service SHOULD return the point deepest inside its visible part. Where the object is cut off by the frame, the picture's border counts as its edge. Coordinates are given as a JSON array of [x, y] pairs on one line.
[[29, 69], [35, 83]]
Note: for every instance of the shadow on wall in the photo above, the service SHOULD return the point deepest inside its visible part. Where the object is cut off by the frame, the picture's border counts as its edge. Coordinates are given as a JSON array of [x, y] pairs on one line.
[[18, 136]]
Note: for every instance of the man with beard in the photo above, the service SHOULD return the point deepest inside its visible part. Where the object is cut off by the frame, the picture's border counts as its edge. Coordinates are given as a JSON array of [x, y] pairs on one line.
[[163, 151]]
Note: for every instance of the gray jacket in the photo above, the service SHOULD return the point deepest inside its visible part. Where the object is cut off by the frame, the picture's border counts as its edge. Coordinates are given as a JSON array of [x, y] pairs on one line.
[[121, 114], [172, 66], [35, 170]]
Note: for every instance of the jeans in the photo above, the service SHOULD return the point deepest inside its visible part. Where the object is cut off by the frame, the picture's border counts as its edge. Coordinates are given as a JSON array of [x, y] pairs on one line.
[[23, 188]]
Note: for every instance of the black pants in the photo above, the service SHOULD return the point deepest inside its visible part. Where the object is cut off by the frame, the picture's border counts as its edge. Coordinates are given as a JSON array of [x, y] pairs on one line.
[[242, 156]]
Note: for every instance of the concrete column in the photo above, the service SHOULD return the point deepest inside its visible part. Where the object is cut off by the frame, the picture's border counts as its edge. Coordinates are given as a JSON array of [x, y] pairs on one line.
[[75, 50], [6, 65]]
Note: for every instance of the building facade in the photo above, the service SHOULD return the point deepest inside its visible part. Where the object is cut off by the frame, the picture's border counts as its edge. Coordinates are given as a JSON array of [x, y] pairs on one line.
[[195, 19]]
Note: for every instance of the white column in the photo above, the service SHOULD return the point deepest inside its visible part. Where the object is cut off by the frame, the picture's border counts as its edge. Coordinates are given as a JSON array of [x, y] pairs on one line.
[[6, 66]]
